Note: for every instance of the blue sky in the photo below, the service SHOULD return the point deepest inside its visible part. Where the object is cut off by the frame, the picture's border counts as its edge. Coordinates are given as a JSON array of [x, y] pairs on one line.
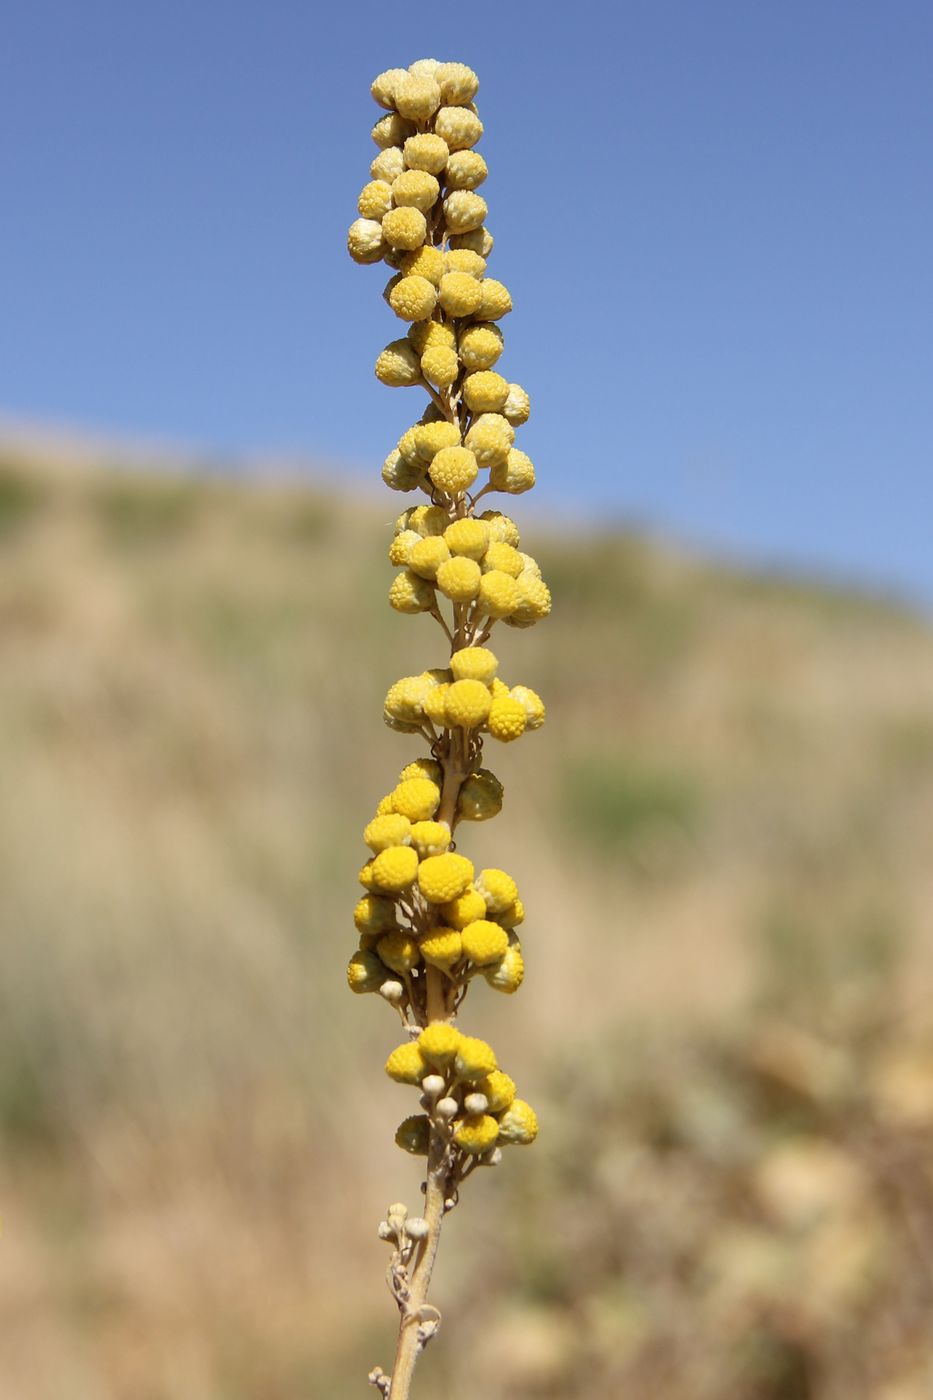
[[716, 220]]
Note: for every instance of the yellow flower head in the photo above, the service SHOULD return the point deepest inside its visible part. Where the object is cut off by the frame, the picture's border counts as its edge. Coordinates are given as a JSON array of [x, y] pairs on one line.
[[459, 579], [460, 295], [442, 878], [429, 520], [503, 556], [477, 1132], [534, 598], [480, 345], [423, 768], [459, 127], [398, 365], [405, 228], [400, 475], [417, 799], [498, 594], [464, 210], [474, 664], [415, 189], [507, 719], [499, 1090], [411, 594], [416, 97], [508, 974], [365, 972], [384, 832], [468, 537], [426, 151], [426, 335], [387, 165], [515, 476], [519, 1124], [479, 240], [464, 909], [398, 950], [496, 301], [466, 704], [485, 391], [498, 889], [394, 870], [425, 262], [512, 916], [464, 260], [466, 170], [413, 298], [438, 1044], [441, 947], [365, 242], [517, 406], [474, 1060], [373, 914], [501, 527], [435, 705], [531, 703], [490, 438], [430, 838], [383, 86], [427, 556], [483, 942], [480, 797], [404, 703], [375, 201], [390, 131], [406, 1064], [453, 469], [458, 84]]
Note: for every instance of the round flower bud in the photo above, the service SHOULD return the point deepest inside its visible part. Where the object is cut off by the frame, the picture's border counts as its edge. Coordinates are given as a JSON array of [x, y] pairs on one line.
[[435, 706], [459, 127], [490, 439], [474, 664], [463, 211], [475, 1103], [474, 1059], [484, 391], [517, 406], [392, 991], [476, 1133], [459, 579], [414, 1135], [390, 131], [417, 98], [415, 188], [480, 345], [446, 1109], [391, 830], [365, 877], [426, 152], [384, 805], [468, 537], [534, 600], [459, 294], [425, 68], [431, 437], [406, 1064], [478, 240], [430, 838], [441, 947], [400, 475], [413, 298], [458, 84], [375, 201], [427, 555], [365, 243], [417, 799], [463, 910], [374, 914], [401, 547], [425, 335], [423, 768], [519, 1124], [417, 1228], [442, 878], [499, 1090], [429, 520], [404, 705], [531, 703], [387, 165], [453, 469], [480, 798], [408, 447], [466, 170], [511, 917], [530, 566], [508, 974], [507, 719], [395, 869], [495, 301], [498, 594], [398, 365], [433, 1084], [463, 260], [503, 556], [483, 942], [383, 86], [405, 228], [498, 889], [398, 950], [498, 689], [501, 527], [411, 594], [424, 262], [466, 704], [438, 1044], [365, 973], [440, 366], [516, 476]]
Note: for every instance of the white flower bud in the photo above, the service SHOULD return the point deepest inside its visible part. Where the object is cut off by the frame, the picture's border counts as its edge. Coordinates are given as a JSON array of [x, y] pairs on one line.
[[446, 1108], [385, 1230], [475, 1103], [417, 1228], [433, 1084]]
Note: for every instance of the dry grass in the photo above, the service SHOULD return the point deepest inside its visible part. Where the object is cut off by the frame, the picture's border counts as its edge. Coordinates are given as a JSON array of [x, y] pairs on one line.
[[731, 804]]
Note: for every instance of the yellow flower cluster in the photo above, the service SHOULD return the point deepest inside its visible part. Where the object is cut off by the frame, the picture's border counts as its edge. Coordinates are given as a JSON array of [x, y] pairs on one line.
[[429, 923], [469, 1101]]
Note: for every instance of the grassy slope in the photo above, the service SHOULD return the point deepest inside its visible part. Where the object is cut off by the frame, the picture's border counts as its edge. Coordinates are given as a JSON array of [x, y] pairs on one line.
[[732, 797]]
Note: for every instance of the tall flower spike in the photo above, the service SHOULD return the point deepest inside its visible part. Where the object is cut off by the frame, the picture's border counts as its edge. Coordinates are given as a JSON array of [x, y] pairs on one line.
[[429, 924]]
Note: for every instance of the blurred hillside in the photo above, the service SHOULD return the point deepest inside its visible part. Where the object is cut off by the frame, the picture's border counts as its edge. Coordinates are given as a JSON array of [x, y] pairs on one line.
[[723, 837]]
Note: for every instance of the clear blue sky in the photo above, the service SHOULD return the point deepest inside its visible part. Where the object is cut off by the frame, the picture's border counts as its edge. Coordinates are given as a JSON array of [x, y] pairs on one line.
[[716, 220]]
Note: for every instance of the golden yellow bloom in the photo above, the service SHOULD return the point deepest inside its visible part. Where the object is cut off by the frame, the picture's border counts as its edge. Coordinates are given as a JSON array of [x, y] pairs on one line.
[[512, 916], [479, 240], [401, 547], [480, 797], [464, 210], [519, 1124], [383, 86], [425, 262], [427, 556], [414, 1135], [480, 345], [387, 165], [391, 830], [477, 1132], [490, 439], [410, 594], [507, 719], [498, 594], [391, 131], [440, 366], [427, 334], [534, 600], [501, 527], [466, 170], [429, 520], [430, 838], [431, 437], [467, 704], [441, 947], [499, 1090], [498, 889], [460, 294], [464, 909], [453, 469], [405, 228], [503, 556], [400, 475], [468, 537], [416, 189], [438, 1044], [484, 391], [483, 942], [365, 972], [406, 1064], [416, 798], [424, 768], [443, 878], [474, 1059], [464, 260], [459, 127], [413, 298], [398, 366], [365, 242], [474, 664], [394, 870], [426, 151], [375, 201], [374, 914], [459, 579], [416, 98], [515, 476], [435, 705], [398, 950], [495, 301], [517, 406], [458, 84]]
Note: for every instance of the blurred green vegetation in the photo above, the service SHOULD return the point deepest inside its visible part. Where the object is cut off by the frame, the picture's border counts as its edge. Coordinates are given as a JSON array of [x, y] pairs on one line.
[[722, 838]]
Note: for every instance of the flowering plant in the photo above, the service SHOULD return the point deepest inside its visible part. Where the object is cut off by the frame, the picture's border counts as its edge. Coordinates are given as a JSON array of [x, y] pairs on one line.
[[429, 923]]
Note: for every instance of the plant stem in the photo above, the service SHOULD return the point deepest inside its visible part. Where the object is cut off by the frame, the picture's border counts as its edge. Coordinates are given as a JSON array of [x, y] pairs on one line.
[[411, 1338]]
